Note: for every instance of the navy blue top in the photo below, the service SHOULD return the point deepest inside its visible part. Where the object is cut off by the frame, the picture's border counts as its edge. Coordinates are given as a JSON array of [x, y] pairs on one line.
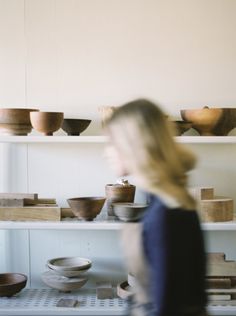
[[174, 247]]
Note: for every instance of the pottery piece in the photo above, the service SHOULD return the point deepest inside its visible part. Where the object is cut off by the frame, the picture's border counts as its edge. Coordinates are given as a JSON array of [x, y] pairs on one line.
[[15, 121], [211, 121], [181, 127], [70, 273], [106, 112], [124, 290], [86, 208], [62, 283], [74, 127], [129, 212], [46, 122], [11, 283], [69, 264], [118, 193]]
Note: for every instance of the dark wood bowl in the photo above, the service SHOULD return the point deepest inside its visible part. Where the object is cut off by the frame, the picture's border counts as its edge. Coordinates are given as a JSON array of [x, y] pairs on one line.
[[12, 283], [74, 127], [86, 208]]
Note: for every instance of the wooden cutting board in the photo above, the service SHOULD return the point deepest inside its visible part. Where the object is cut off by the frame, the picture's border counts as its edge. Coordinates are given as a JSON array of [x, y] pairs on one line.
[[30, 213]]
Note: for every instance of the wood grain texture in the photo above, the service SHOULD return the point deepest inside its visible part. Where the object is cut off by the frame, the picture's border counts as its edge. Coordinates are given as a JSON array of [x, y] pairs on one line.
[[30, 213], [202, 193], [217, 210], [33, 196]]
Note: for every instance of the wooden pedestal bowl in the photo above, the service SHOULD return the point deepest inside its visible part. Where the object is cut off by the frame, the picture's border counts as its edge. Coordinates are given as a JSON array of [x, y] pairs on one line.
[[74, 127], [11, 283], [15, 121], [211, 121], [86, 208], [46, 122]]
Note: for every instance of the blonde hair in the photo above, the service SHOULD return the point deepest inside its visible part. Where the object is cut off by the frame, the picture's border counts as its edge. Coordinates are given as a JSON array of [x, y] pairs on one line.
[[144, 137]]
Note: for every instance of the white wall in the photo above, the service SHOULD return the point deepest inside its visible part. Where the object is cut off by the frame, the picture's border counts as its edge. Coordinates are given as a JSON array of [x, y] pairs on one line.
[[76, 55]]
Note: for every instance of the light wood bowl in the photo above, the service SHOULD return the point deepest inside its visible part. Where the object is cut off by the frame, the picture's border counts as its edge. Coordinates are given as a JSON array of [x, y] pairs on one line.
[[15, 121], [211, 121], [11, 283], [62, 283], [86, 208], [46, 122]]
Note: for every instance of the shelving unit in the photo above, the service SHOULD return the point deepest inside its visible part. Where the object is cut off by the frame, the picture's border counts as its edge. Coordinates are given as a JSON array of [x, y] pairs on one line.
[[103, 139]]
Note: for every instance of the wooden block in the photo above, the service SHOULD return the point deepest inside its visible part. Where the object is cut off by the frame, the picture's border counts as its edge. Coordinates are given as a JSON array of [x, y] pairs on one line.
[[11, 202], [218, 283], [225, 269], [217, 210], [30, 213], [219, 297], [67, 212], [32, 196], [215, 257], [28, 202], [202, 193], [104, 290]]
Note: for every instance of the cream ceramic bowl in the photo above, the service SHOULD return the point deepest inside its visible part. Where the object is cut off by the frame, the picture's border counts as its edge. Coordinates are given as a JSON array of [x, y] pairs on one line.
[[69, 264]]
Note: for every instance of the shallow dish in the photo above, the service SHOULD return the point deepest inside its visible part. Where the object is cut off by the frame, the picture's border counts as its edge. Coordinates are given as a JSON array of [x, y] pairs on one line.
[[86, 208], [62, 283], [129, 212], [12, 283], [69, 264], [74, 127]]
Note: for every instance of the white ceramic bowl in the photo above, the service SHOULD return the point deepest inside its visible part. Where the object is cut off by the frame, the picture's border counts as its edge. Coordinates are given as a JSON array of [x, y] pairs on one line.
[[70, 273], [69, 264], [62, 283]]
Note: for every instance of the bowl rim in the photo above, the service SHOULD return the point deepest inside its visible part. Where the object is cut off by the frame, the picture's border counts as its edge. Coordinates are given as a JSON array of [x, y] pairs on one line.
[[88, 198], [76, 119], [50, 263], [25, 278]]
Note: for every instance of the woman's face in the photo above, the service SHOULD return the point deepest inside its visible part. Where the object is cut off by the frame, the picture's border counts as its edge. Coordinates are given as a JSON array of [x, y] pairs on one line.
[[116, 161]]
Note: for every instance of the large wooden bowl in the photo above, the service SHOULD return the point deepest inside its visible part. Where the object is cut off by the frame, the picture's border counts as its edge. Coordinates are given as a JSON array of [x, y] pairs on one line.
[[46, 122], [74, 127], [211, 121], [86, 208], [15, 121], [12, 283]]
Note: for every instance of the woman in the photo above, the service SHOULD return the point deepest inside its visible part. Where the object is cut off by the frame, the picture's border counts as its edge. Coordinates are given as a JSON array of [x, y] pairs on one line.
[[166, 252]]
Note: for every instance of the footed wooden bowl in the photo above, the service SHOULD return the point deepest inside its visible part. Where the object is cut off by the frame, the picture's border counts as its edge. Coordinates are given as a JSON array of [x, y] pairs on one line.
[[86, 208], [12, 283], [46, 122], [74, 127], [211, 121], [15, 121]]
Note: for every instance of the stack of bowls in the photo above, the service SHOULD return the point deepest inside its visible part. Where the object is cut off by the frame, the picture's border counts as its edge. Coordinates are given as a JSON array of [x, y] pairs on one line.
[[66, 274]]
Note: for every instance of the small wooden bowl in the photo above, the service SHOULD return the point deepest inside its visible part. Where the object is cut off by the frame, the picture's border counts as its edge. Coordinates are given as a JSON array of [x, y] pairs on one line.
[[69, 264], [86, 208], [74, 127], [62, 283], [11, 283], [129, 212], [211, 121], [46, 122]]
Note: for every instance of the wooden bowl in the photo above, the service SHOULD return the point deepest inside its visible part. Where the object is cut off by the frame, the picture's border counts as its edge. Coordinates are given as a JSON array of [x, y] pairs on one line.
[[15, 121], [74, 127], [182, 127], [129, 212], [46, 122], [118, 193], [69, 264], [86, 208], [62, 283], [12, 283], [211, 121]]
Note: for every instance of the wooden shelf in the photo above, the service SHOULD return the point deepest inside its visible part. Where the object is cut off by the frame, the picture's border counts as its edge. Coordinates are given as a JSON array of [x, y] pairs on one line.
[[103, 139]]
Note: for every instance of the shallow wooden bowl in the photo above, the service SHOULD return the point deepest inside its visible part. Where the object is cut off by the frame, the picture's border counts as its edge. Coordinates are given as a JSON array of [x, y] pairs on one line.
[[74, 127], [69, 264], [46, 122], [86, 208], [15, 121], [211, 121], [129, 212], [62, 283], [12, 283]]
